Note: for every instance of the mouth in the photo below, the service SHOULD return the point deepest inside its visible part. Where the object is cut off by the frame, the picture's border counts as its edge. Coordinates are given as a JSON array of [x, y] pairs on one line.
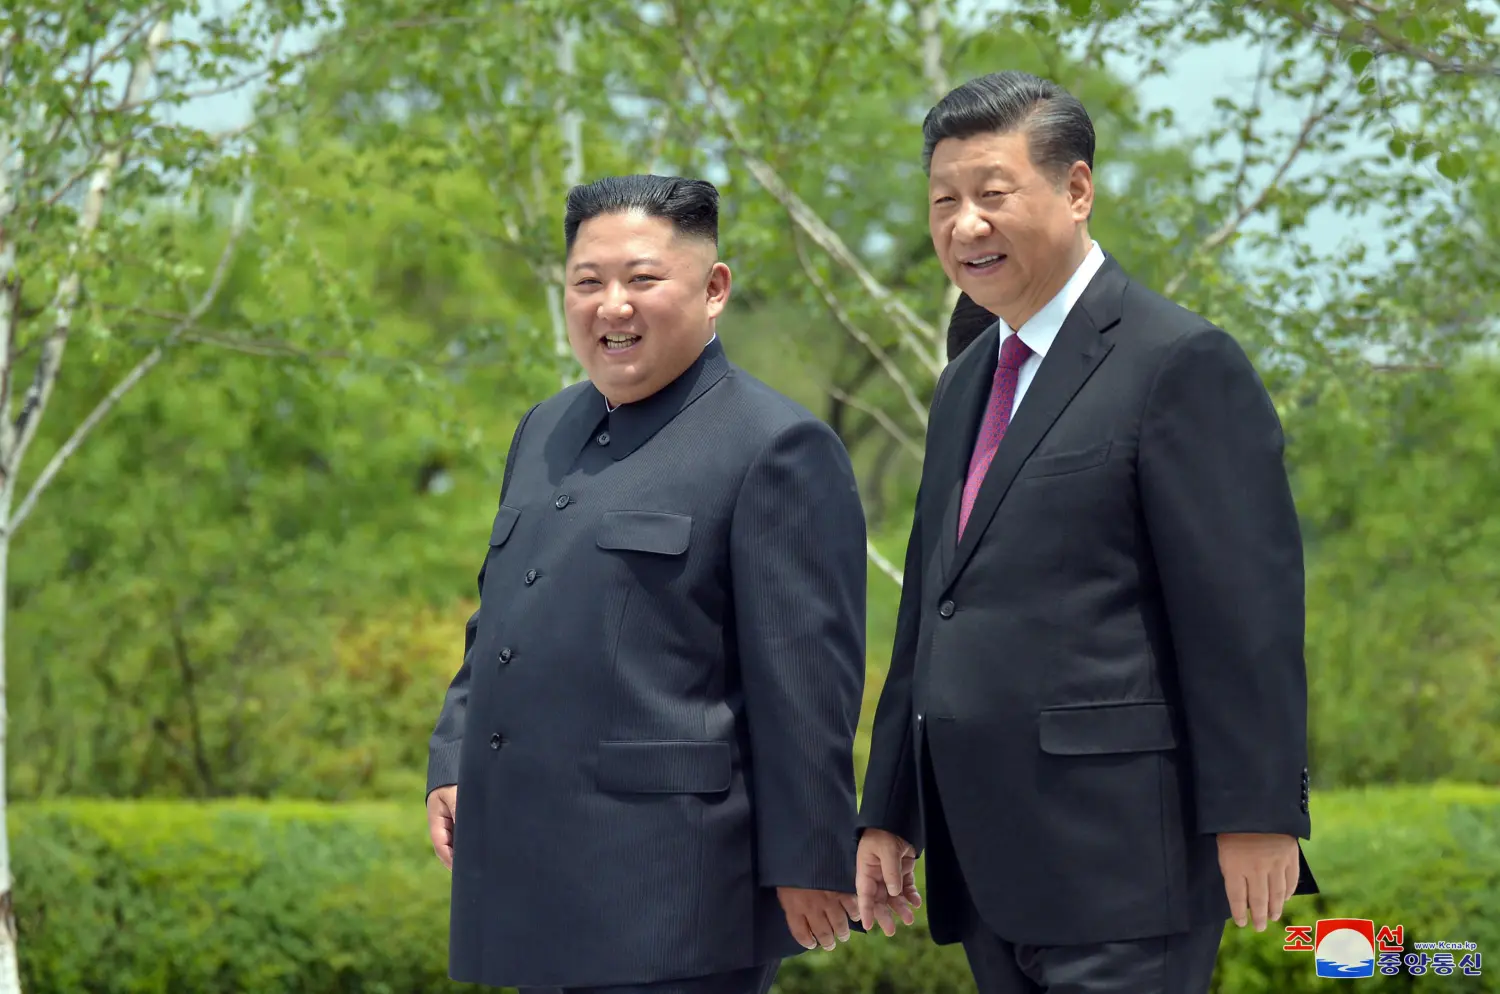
[[981, 264], [617, 343]]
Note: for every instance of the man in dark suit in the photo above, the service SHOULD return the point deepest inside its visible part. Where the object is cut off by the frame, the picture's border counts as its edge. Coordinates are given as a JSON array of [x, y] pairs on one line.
[[1094, 725], [653, 727]]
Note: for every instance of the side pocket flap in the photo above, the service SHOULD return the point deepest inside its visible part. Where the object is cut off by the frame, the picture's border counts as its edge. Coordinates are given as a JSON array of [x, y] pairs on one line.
[[661, 532], [665, 767], [505, 520], [1100, 729]]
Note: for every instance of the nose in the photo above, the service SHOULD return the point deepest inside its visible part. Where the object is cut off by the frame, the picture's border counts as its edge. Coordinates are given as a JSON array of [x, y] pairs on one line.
[[971, 225], [616, 304]]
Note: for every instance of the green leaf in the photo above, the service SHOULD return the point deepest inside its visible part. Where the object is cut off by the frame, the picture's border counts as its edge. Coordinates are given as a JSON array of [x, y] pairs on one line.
[[1359, 60], [1453, 165]]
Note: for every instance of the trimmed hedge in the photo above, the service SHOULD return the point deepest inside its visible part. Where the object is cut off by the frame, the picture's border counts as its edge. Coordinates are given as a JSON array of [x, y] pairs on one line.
[[296, 898]]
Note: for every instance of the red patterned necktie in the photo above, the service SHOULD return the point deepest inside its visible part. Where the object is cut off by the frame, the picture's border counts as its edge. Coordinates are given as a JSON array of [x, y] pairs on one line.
[[1013, 352]]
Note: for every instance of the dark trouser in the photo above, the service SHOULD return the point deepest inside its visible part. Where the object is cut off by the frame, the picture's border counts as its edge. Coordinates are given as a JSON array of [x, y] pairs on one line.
[[1182, 963], [1173, 964], [755, 980]]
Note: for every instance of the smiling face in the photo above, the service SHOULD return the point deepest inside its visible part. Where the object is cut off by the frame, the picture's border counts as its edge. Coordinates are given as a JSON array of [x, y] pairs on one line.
[[641, 302], [1008, 235]]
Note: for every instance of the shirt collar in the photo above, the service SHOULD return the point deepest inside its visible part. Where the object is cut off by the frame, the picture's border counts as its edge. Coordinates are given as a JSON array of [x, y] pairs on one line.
[[608, 409], [1044, 325]]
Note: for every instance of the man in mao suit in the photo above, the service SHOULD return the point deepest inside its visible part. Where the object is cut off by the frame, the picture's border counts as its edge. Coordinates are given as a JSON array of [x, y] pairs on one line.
[[652, 730], [1094, 725]]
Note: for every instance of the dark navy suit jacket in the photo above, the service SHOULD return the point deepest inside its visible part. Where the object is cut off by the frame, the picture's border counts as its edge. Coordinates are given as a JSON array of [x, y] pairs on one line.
[[1107, 670], [653, 726]]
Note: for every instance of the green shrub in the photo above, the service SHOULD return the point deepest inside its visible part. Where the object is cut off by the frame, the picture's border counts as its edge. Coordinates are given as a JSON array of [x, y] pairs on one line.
[[279, 898]]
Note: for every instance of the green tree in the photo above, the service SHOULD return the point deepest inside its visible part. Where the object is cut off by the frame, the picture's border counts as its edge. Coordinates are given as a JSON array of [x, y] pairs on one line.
[[84, 165]]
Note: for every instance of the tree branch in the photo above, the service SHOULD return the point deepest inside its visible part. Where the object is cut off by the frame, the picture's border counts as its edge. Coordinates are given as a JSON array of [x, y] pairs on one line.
[[879, 417], [897, 376], [66, 298], [1379, 40], [883, 564], [917, 335], [1247, 130], [136, 374], [1216, 239]]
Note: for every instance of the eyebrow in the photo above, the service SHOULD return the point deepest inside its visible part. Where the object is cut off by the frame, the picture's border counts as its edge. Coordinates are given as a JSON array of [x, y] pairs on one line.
[[995, 171], [642, 261]]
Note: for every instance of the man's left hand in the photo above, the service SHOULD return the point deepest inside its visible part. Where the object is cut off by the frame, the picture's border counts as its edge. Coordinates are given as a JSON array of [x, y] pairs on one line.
[[1260, 873], [818, 917]]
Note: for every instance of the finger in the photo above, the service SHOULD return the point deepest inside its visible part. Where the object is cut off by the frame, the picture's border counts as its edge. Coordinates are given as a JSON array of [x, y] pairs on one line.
[[890, 867], [838, 921], [798, 924], [440, 831], [822, 930], [865, 889], [1236, 890], [1260, 898], [1277, 895], [852, 908], [883, 918], [910, 893], [1293, 874]]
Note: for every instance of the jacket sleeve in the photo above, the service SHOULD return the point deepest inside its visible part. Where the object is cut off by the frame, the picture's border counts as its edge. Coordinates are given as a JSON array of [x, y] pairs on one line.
[[797, 560], [1227, 546], [447, 736], [890, 790]]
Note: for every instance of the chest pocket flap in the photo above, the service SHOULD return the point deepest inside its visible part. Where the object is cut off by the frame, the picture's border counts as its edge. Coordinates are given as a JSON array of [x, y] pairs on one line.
[[661, 532], [505, 520]]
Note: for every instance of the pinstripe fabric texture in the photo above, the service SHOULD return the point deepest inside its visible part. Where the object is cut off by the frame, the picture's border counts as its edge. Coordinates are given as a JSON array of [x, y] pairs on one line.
[[653, 725]]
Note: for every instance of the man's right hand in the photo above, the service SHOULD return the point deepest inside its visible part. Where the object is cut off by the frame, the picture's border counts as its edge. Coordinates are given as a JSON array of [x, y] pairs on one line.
[[442, 812], [885, 880]]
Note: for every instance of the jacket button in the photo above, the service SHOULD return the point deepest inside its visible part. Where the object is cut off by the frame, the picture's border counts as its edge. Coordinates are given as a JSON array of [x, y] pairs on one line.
[[946, 609], [496, 741], [603, 438], [563, 501], [505, 654], [531, 576]]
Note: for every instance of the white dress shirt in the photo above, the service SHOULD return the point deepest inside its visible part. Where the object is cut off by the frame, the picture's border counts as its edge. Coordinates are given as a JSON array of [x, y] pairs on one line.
[[1044, 325]]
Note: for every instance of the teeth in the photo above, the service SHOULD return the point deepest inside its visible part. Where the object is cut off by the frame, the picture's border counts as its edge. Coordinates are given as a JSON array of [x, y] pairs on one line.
[[619, 339], [985, 261]]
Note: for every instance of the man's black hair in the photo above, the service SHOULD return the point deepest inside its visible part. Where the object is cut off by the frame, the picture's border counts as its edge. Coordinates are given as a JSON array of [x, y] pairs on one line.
[[1057, 126], [691, 205]]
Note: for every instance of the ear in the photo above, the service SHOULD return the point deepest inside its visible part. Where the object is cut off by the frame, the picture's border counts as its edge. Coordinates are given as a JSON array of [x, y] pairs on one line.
[[719, 282], [1080, 190]]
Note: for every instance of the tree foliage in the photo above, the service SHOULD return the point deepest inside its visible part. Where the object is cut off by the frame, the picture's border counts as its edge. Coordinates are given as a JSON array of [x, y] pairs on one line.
[[267, 544]]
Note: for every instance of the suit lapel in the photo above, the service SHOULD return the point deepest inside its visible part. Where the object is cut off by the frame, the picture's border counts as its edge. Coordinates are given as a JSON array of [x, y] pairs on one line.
[[1076, 352], [964, 403]]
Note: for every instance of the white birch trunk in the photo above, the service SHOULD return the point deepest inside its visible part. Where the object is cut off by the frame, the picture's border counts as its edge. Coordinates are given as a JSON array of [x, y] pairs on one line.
[[10, 972], [572, 128], [10, 968], [15, 439]]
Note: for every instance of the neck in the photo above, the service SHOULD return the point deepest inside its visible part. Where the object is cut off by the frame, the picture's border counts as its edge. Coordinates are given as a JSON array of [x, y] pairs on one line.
[[1057, 278]]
